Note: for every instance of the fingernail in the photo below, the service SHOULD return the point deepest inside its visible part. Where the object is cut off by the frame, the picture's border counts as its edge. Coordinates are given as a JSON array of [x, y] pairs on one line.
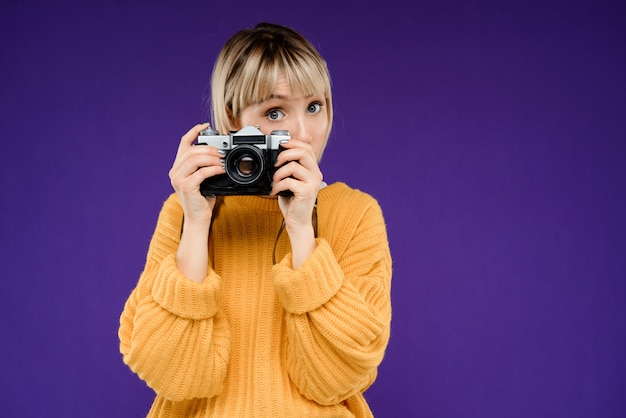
[[221, 152]]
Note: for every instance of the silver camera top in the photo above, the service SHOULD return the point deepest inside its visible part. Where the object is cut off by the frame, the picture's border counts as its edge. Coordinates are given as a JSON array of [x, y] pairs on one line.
[[249, 135]]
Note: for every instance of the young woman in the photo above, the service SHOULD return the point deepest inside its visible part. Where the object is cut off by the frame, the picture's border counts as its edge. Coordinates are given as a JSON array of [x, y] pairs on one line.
[[214, 325]]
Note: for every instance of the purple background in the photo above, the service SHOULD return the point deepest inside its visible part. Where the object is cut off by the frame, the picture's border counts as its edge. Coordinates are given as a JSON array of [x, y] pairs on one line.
[[492, 133]]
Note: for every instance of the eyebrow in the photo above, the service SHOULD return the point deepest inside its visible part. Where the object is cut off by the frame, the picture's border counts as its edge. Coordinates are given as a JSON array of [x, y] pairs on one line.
[[277, 96], [281, 97]]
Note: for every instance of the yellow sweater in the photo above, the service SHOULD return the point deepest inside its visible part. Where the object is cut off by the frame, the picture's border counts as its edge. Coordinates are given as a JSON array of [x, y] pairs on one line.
[[256, 340]]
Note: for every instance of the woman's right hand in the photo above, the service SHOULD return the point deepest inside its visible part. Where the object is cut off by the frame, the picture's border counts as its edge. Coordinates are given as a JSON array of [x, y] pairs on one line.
[[192, 165]]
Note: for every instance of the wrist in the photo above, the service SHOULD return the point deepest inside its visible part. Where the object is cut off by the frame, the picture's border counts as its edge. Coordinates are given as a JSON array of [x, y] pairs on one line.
[[192, 254], [196, 227], [303, 244]]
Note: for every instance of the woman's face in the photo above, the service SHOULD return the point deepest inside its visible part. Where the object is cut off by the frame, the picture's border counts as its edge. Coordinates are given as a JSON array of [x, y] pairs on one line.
[[304, 117]]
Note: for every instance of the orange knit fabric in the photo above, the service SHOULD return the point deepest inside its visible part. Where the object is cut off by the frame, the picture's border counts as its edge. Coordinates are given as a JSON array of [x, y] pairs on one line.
[[256, 340]]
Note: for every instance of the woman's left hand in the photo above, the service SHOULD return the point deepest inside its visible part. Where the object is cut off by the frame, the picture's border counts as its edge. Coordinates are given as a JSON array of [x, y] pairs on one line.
[[299, 173]]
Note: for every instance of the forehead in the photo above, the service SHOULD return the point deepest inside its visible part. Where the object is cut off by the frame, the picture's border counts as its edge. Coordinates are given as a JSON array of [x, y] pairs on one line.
[[283, 90]]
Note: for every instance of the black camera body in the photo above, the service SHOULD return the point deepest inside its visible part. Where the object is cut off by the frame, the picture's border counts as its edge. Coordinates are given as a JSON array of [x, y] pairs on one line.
[[249, 159]]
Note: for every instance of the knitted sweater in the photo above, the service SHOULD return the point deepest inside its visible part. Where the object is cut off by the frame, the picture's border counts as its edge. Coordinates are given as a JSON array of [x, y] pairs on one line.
[[256, 339]]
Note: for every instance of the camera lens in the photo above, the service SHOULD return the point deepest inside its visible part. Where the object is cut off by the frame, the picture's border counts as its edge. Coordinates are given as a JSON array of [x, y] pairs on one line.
[[245, 164]]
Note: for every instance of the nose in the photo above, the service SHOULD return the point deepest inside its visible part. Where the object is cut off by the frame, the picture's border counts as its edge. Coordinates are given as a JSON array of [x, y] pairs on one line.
[[299, 129]]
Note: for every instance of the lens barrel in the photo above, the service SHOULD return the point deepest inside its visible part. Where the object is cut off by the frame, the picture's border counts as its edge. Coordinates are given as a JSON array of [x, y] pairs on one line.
[[245, 164]]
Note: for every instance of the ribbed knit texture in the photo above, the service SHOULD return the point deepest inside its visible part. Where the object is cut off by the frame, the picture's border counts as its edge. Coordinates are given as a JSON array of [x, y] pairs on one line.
[[256, 340]]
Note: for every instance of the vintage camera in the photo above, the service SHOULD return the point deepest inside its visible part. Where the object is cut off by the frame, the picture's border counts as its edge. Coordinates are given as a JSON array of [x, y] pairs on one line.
[[249, 161]]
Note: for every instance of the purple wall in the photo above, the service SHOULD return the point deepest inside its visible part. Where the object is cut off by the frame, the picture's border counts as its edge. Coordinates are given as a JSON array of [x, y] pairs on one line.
[[492, 133]]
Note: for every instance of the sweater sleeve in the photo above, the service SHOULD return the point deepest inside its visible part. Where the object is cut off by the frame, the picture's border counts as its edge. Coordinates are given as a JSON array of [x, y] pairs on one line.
[[172, 331], [339, 309]]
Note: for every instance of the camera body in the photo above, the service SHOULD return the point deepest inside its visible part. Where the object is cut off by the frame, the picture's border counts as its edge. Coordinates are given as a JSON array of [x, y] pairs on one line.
[[249, 159]]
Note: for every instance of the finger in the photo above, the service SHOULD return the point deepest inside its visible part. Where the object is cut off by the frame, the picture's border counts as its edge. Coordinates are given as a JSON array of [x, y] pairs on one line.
[[200, 150], [196, 162], [297, 179], [204, 173], [186, 152], [195, 171], [300, 190], [310, 172], [191, 160], [292, 169], [303, 156], [191, 183], [284, 185], [192, 135]]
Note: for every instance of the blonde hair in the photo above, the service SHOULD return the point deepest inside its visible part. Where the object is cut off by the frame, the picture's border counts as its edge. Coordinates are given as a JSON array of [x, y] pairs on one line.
[[250, 64]]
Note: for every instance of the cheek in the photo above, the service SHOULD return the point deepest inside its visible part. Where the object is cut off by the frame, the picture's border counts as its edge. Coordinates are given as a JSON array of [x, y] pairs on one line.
[[319, 143]]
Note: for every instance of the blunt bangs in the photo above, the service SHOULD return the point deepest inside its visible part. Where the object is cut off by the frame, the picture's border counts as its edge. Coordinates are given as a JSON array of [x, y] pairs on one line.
[[260, 73]]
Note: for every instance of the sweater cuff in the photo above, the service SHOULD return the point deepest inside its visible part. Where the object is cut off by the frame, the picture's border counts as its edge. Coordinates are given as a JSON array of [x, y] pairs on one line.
[[310, 286], [182, 296]]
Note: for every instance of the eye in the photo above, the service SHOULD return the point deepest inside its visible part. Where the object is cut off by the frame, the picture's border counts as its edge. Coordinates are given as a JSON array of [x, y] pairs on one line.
[[275, 114], [314, 107]]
